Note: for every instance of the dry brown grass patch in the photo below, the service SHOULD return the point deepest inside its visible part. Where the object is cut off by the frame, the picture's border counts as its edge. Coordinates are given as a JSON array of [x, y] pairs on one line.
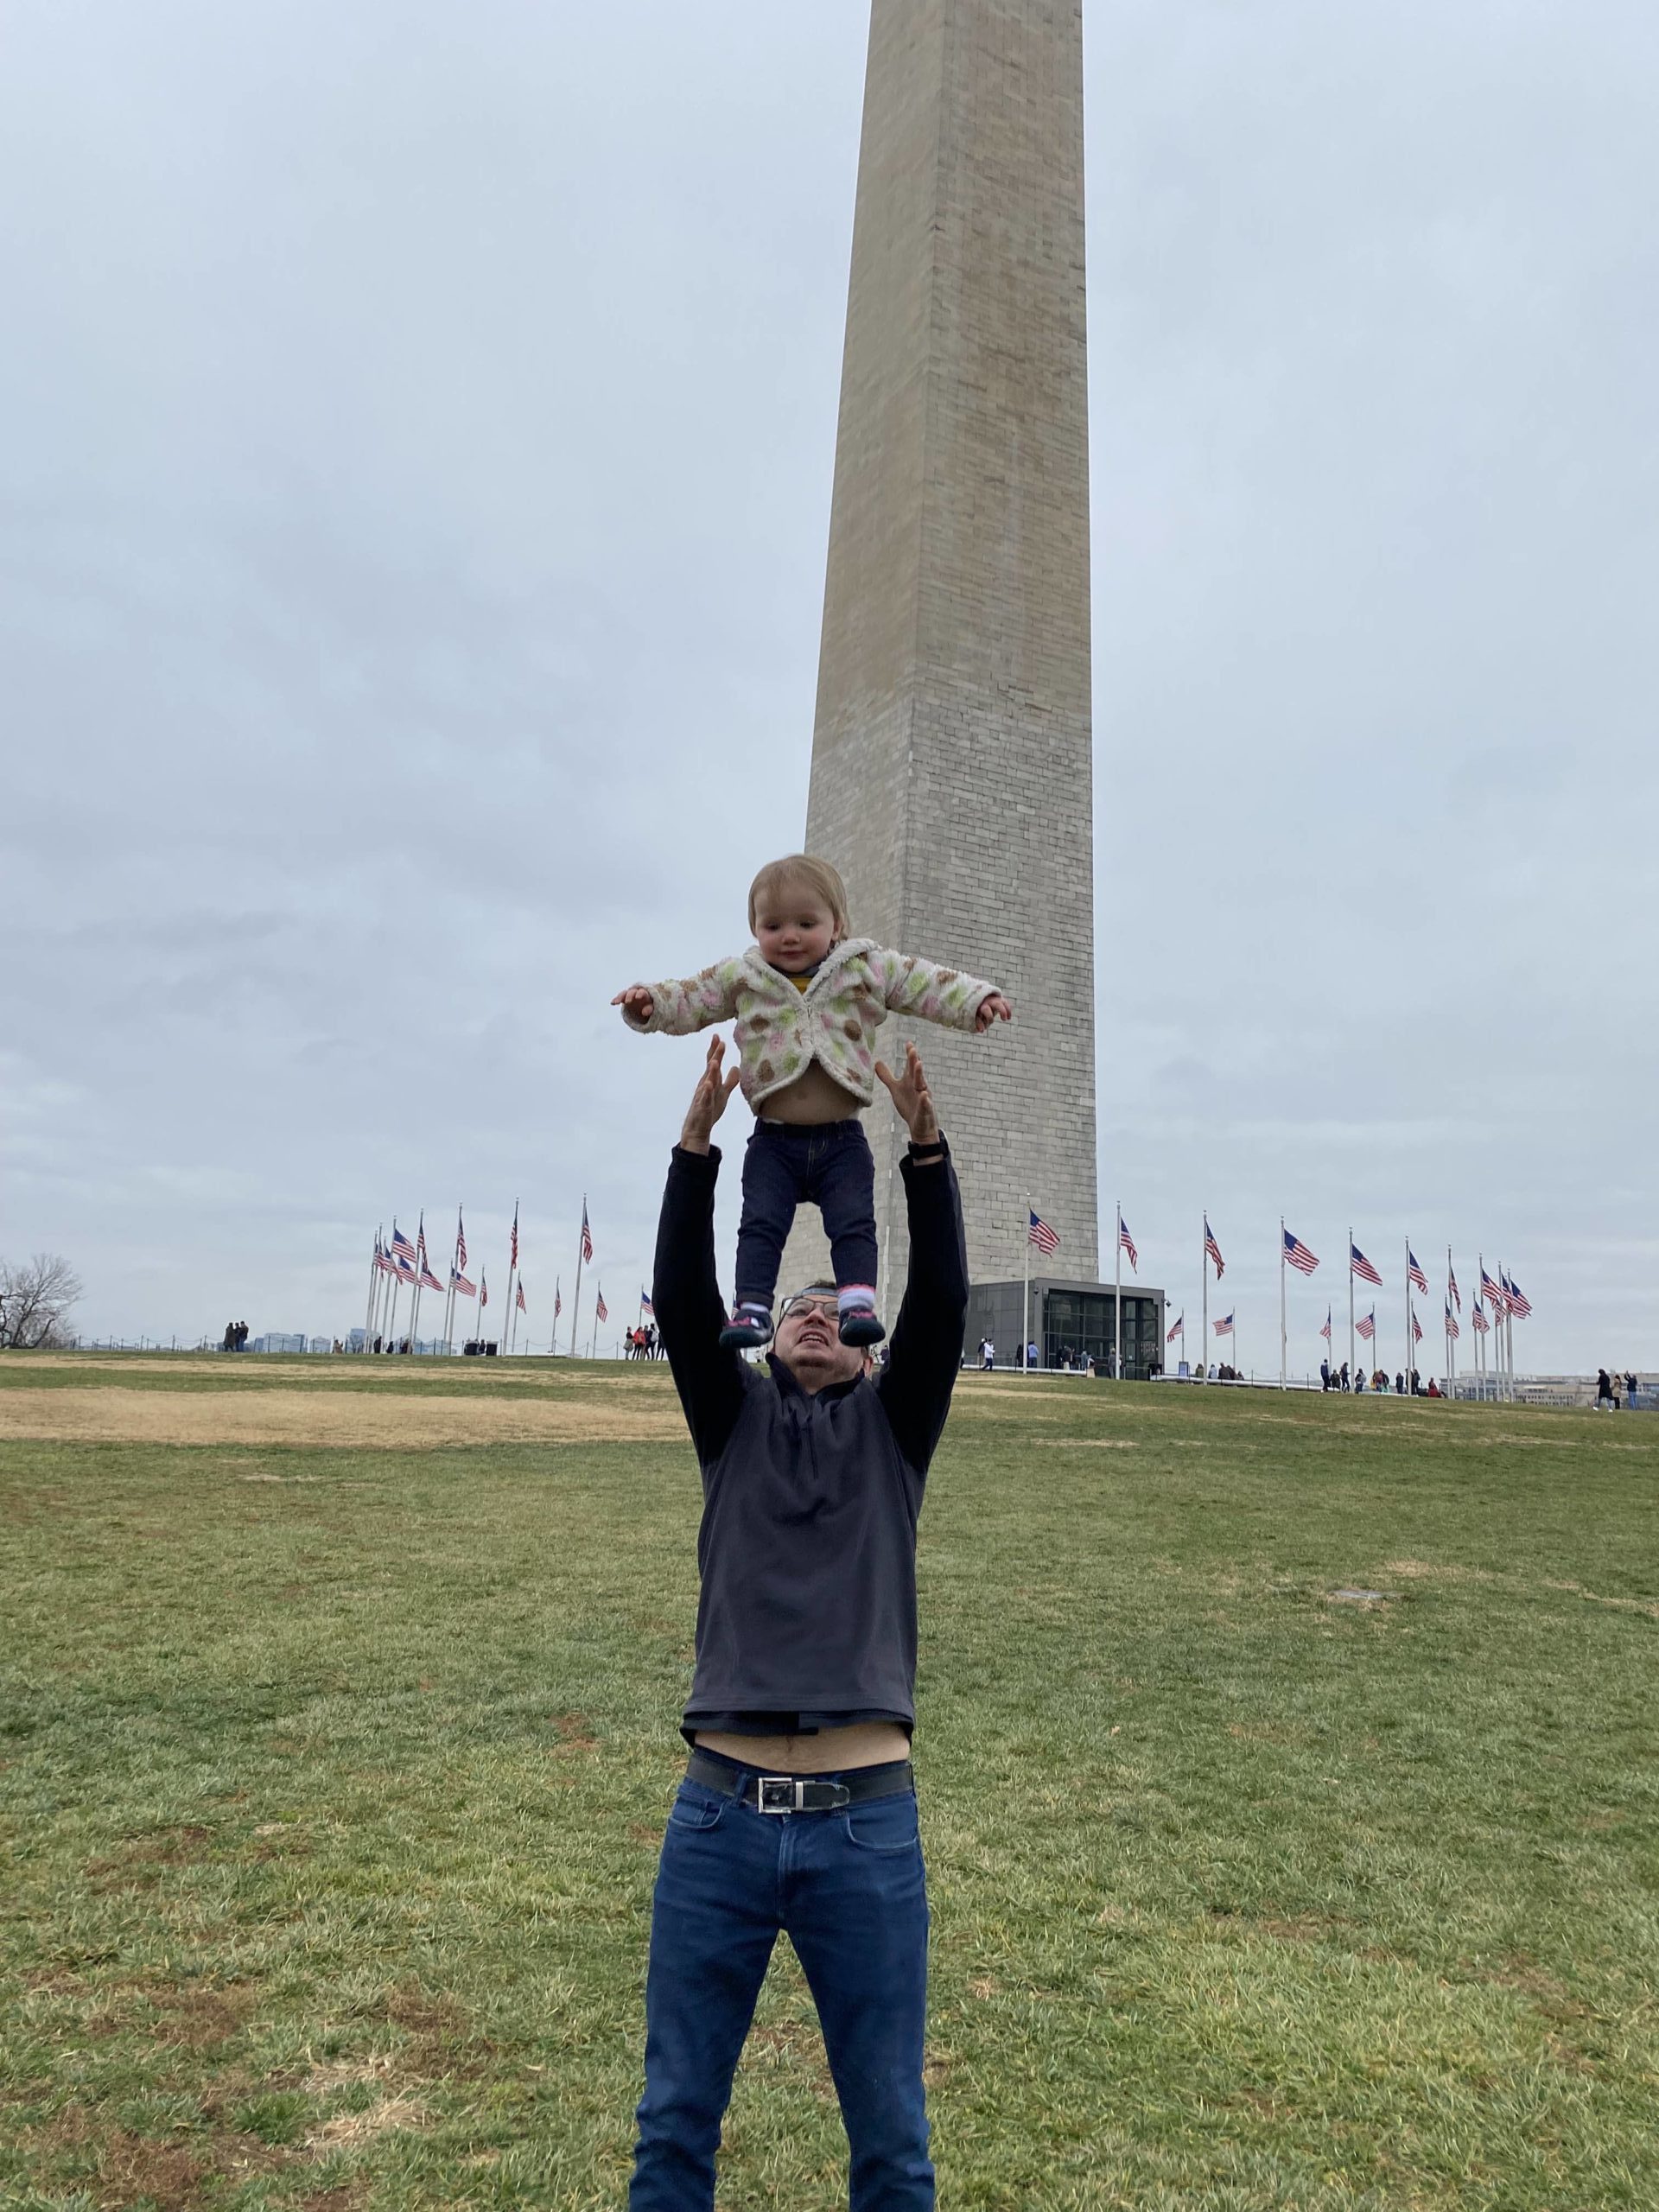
[[357, 1421]]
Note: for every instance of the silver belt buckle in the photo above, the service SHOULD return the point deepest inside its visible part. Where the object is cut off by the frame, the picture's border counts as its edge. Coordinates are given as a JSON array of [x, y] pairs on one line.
[[781, 1793]]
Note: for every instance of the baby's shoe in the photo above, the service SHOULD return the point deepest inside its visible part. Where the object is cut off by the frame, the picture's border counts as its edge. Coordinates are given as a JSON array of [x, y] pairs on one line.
[[748, 1329], [859, 1325]]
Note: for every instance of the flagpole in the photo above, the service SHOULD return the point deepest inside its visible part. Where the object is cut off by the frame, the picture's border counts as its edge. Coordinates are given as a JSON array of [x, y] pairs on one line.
[[1281, 1302], [1025, 1305], [1508, 1328], [592, 1349], [374, 1285], [1407, 1311], [513, 1264], [575, 1297], [1353, 1357], [1451, 1341], [1203, 1303], [1117, 1320], [420, 1269]]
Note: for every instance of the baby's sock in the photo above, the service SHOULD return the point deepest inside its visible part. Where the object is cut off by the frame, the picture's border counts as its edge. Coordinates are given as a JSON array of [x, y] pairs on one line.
[[856, 1303], [749, 1327]]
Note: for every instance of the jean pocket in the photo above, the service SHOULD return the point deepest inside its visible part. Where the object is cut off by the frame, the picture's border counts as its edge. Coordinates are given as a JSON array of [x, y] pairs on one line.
[[886, 1826], [695, 1808]]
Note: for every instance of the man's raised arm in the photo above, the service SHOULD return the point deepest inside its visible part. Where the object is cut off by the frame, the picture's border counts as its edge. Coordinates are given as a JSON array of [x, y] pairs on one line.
[[916, 1386], [685, 1293]]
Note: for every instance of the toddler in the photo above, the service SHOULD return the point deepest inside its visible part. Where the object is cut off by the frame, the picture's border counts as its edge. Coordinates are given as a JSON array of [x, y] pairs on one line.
[[808, 999]]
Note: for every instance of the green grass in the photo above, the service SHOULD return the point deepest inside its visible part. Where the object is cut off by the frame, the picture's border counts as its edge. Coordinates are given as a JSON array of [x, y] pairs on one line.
[[331, 1784]]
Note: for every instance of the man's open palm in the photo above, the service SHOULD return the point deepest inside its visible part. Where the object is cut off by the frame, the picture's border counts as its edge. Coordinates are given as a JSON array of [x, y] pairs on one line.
[[911, 1097]]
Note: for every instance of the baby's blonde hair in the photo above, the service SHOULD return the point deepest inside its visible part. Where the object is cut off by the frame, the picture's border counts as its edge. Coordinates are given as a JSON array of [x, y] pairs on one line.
[[801, 867]]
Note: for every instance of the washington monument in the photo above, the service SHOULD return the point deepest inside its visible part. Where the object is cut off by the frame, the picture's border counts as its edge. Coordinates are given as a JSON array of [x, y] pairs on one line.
[[951, 779]]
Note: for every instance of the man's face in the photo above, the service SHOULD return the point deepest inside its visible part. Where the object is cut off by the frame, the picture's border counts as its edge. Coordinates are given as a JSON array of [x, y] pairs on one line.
[[809, 1342], [794, 929]]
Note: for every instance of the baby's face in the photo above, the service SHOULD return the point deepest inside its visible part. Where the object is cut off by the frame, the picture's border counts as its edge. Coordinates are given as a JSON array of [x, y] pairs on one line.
[[794, 929]]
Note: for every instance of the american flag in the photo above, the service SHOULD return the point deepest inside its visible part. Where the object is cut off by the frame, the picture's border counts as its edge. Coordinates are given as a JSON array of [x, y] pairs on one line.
[[558, 1302], [1211, 1249], [519, 1301], [1452, 1328], [600, 1314], [420, 1243], [382, 1257], [400, 1244], [1413, 1273], [1179, 1330], [428, 1280], [459, 1283], [512, 1253], [483, 1290], [1361, 1266], [1483, 1326], [1325, 1330], [1491, 1294], [646, 1306], [1224, 1327], [1416, 1329], [405, 1268], [1453, 1292], [587, 1234], [1298, 1254], [461, 1241], [1367, 1328], [1519, 1305], [1042, 1235], [1128, 1244]]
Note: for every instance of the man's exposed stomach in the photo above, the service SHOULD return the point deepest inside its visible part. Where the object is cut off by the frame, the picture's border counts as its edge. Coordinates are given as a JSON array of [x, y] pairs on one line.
[[865, 1743]]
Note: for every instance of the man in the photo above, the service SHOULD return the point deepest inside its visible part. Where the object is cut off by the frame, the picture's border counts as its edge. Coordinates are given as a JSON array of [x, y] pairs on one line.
[[798, 1810]]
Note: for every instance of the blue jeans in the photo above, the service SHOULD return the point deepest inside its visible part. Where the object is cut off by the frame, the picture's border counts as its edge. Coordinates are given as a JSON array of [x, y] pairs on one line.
[[848, 1891], [829, 1164]]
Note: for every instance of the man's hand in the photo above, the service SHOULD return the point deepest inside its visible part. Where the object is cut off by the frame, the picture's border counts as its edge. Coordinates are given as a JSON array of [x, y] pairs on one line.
[[636, 1003], [911, 1097], [709, 1099], [993, 1007]]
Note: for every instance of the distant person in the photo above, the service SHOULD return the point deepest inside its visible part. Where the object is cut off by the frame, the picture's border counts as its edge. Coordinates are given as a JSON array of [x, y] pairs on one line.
[[809, 997], [1416, 1383], [1346, 1383], [1324, 1375], [1630, 1388], [1400, 1386], [1360, 1380], [1033, 1357], [1604, 1388], [1433, 1389], [987, 1355]]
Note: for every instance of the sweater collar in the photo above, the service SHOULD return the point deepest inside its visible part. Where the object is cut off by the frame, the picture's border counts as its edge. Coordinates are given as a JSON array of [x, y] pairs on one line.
[[784, 1376]]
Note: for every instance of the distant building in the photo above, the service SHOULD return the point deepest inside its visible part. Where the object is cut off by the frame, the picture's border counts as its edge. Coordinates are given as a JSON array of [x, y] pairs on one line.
[[1068, 1316], [274, 1340]]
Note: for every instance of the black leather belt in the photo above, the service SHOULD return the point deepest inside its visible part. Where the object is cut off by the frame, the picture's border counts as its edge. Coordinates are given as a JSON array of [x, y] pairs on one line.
[[802, 1793]]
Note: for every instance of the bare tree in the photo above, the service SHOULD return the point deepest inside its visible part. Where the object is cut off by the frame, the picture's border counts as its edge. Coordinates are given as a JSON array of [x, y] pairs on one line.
[[34, 1302]]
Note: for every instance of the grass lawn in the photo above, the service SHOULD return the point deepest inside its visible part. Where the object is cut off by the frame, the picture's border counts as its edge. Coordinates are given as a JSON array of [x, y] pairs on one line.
[[333, 1767]]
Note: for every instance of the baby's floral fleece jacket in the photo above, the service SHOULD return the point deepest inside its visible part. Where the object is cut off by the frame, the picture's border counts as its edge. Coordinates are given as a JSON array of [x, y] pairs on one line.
[[781, 1030]]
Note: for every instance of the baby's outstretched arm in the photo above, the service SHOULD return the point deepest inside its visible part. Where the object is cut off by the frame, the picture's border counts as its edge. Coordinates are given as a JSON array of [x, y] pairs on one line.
[[681, 1008], [913, 985]]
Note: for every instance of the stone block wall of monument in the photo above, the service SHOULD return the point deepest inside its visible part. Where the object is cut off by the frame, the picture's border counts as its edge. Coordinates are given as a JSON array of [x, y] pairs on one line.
[[951, 770]]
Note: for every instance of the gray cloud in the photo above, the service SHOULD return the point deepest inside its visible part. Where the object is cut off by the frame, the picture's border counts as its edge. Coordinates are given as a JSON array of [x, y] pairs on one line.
[[414, 453]]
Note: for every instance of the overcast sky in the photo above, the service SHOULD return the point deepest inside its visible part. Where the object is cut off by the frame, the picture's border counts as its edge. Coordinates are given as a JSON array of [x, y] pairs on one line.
[[416, 426]]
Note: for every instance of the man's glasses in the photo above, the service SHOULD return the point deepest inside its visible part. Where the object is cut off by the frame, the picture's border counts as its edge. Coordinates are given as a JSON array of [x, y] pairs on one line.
[[828, 1309]]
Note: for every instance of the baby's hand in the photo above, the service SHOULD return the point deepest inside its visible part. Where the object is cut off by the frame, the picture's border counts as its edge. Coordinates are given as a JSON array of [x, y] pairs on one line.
[[636, 1003], [994, 1008]]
